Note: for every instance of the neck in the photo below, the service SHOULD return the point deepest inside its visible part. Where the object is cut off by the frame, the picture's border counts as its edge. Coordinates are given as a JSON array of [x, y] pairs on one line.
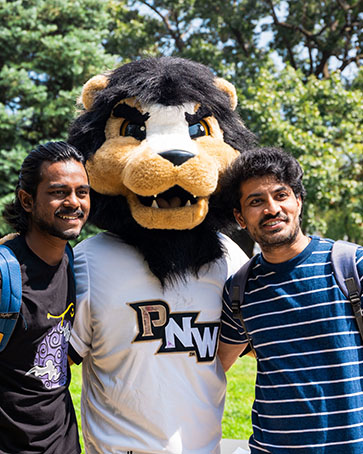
[[47, 247], [285, 252]]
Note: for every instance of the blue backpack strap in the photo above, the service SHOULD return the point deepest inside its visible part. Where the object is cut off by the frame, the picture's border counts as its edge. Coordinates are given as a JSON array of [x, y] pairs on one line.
[[346, 273], [237, 291], [10, 294]]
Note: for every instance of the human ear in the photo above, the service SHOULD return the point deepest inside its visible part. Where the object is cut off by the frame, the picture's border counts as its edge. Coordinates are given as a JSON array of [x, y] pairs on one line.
[[299, 203], [26, 200], [239, 218]]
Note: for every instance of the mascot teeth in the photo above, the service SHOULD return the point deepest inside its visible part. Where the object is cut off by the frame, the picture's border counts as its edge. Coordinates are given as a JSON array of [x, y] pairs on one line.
[[175, 197]]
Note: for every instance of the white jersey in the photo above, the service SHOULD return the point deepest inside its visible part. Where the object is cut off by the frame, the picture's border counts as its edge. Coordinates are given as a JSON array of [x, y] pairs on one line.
[[151, 380]]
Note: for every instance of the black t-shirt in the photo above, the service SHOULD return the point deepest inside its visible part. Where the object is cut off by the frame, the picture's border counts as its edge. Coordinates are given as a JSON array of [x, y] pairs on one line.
[[36, 411]]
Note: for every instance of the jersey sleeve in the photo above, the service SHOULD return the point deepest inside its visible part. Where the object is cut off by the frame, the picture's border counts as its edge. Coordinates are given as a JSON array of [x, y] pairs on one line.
[[232, 331], [235, 257], [81, 335]]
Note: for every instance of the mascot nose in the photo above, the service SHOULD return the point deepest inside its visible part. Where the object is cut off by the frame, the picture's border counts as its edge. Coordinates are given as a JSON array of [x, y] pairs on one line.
[[176, 157]]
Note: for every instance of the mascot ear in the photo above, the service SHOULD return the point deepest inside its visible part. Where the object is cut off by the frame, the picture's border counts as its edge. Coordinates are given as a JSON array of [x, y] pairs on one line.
[[229, 89], [90, 89]]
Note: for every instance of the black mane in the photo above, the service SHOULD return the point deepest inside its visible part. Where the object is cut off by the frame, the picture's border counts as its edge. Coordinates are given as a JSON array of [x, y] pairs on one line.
[[168, 81], [170, 254]]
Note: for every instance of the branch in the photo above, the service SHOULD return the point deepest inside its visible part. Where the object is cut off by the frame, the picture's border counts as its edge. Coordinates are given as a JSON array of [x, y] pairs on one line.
[[346, 62], [239, 39], [287, 44], [237, 34], [178, 41]]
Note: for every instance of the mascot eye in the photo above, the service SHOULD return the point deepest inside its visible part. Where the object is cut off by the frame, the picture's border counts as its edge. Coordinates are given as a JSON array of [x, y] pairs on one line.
[[133, 130], [199, 129]]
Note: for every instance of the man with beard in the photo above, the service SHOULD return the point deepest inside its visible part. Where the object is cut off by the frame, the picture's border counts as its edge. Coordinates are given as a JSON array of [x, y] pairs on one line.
[[51, 206], [308, 394]]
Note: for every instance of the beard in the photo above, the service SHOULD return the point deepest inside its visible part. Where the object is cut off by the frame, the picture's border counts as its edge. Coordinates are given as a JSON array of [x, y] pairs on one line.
[[268, 243], [274, 239], [52, 229]]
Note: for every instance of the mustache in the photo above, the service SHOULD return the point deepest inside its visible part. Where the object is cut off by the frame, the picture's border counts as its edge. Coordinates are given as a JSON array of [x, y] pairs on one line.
[[269, 217], [66, 212]]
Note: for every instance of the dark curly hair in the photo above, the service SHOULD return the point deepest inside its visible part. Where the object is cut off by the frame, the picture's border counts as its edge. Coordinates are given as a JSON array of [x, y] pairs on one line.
[[30, 177], [252, 163]]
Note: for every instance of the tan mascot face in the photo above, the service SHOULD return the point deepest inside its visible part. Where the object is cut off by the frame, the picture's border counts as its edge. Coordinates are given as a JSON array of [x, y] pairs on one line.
[[163, 153]]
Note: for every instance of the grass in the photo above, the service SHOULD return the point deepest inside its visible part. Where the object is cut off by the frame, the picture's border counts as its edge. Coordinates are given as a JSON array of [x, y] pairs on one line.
[[76, 386], [240, 394], [236, 421]]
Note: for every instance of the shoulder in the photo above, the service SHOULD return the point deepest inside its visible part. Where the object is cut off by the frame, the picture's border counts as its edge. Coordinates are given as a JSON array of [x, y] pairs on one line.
[[15, 242], [359, 254], [355, 248], [233, 253], [105, 252], [348, 252], [322, 244], [99, 241], [97, 244]]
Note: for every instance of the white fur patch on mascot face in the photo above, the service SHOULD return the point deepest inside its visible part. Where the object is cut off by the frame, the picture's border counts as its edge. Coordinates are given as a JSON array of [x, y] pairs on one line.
[[166, 161], [168, 129]]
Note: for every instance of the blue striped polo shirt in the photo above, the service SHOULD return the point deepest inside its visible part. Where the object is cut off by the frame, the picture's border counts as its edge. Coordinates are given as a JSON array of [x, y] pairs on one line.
[[309, 385]]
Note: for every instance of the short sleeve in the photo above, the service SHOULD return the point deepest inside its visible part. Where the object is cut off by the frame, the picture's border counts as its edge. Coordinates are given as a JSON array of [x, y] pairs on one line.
[[235, 257], [81, 336], [231, 328], [359, 262]]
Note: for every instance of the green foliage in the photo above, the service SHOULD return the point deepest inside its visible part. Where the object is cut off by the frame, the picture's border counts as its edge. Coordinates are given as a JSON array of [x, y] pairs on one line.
[[305, 106], [320, 122], [130, 35], [317, 36], [51, 47]]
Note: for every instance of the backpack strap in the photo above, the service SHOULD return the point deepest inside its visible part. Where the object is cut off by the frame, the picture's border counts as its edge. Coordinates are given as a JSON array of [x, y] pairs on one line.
[[345, 270], [70, 257], [238, 285], [10, 294]]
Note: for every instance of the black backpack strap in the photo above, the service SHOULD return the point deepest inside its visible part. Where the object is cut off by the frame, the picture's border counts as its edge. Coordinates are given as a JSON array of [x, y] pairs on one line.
[[237, 292], [345, 270]]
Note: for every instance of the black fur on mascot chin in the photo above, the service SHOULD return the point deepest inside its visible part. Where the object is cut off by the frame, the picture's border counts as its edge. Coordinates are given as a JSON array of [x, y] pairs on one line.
[[156, 197]]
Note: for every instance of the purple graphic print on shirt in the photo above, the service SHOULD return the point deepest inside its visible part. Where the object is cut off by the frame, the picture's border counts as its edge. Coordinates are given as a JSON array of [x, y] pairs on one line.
[[50, 363]]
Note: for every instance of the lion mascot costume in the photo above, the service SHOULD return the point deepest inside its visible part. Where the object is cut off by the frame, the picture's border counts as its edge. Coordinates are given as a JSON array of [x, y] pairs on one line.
[[156, 135]]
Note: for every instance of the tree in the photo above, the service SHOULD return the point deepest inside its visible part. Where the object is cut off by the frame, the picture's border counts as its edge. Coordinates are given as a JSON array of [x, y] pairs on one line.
[[320, 123], [295, 65], [316, 36], [49, 48], [307, 106]]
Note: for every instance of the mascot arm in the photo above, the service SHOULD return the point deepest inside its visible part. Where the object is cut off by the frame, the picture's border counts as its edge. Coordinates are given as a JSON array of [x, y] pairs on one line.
[[81, 336]]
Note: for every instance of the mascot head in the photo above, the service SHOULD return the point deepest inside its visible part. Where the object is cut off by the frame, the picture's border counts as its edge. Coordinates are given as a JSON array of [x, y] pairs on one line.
[[156, 135]]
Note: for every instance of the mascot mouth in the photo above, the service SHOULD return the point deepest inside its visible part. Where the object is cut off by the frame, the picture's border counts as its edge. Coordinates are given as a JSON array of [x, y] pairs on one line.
[[174, 197], [174, 209]]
